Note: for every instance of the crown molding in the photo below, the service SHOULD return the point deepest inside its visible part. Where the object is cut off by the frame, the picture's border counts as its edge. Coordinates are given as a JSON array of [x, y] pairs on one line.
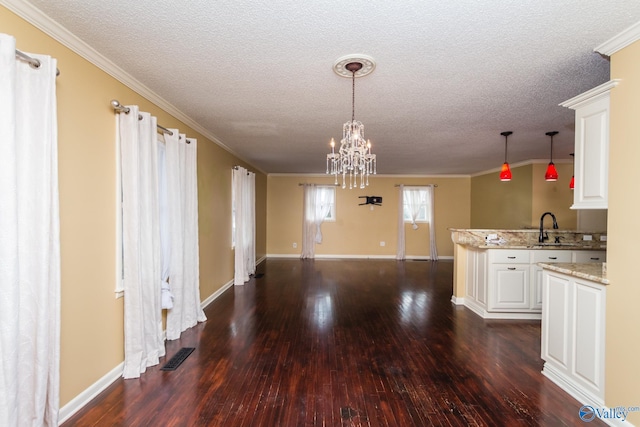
[[620, 41], [37, 18], [324, 175], [576, 101]]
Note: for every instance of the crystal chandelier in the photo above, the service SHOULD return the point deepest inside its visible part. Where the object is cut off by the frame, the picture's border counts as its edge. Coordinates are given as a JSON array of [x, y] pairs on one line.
[[354, 156]]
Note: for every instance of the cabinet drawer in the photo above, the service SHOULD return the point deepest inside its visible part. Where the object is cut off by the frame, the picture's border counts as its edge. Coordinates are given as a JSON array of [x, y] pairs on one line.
[[589, 256], [551, 256], [507, 256]]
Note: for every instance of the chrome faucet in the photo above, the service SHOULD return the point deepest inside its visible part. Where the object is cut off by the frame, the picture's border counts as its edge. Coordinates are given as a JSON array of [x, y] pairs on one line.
[[544, 236]]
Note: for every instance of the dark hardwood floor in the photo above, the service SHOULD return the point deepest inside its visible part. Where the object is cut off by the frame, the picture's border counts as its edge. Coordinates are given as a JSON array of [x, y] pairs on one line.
[[344, 343]]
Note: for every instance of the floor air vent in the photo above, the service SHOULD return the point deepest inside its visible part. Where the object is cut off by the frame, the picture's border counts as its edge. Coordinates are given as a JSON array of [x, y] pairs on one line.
[[177, 359]]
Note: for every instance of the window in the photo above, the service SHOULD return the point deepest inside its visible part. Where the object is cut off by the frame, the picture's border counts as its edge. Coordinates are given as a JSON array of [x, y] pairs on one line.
[[415, 205], [327, 196]]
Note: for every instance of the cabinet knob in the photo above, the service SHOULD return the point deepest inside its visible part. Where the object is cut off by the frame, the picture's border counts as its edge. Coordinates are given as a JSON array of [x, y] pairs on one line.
[[511, 268], [595, 258], [511, 257], [553, 257]]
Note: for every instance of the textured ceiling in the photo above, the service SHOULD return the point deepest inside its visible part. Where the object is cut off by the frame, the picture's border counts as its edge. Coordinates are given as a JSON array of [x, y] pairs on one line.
[[450, 76]]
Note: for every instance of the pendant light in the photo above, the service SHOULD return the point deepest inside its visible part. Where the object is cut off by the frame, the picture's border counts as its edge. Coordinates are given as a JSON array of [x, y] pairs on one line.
[[505, 172], [572, 183], [551, 174]]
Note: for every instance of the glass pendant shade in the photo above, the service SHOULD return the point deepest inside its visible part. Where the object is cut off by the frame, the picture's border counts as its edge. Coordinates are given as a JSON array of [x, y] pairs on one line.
[[572, 183], [505, 172], [551, 174]]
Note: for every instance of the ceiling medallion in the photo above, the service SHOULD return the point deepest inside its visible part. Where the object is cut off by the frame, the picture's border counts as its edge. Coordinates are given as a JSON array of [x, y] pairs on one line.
[[340, 66], [354, 156]]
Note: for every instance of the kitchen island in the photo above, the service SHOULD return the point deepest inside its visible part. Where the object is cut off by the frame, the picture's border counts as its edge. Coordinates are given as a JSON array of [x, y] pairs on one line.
[[496, 272]]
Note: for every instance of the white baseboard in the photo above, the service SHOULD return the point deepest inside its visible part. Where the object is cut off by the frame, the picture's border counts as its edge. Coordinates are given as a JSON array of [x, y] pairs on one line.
[[333, 256], [78, 402], [457, 300], [216, 294]]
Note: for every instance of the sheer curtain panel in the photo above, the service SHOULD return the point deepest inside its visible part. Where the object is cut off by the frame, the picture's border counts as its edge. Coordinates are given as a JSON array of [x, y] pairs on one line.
[[243, 183], [400, 251], [431, 217], [414, 200], [182, 200], [143, 342], [29, 241]]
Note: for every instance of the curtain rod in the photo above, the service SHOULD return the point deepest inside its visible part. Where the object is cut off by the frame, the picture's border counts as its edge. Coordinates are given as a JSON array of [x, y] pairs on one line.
[[35, 63], [411, 185], [122, 109], [236, 168]]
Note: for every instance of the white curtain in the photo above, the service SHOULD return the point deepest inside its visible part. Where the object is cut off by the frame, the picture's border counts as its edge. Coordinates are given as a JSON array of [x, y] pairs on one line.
[[143, 344], [431, 217], [29, 241], [165, 235], [243, 183], [416, 199], [317, 205], [400, 250], [182, 203], [308, 249]]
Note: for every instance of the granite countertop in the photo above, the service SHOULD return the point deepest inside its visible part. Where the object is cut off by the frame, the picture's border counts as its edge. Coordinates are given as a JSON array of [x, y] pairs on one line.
[[528, 239], [593, 271], [561, 246]]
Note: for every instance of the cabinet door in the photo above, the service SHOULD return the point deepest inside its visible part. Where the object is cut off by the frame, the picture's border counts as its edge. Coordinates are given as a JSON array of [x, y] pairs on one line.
[[536, 288], [592, 154], [470, 281], [556, 321], [589, 323], [481, 278], [510, 287]]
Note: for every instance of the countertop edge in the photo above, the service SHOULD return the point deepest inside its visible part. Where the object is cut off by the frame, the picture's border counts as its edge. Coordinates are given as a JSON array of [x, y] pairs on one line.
[[588, 271]]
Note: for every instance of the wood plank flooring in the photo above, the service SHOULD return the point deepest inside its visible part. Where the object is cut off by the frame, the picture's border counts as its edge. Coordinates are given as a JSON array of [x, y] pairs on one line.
[[344, 343]]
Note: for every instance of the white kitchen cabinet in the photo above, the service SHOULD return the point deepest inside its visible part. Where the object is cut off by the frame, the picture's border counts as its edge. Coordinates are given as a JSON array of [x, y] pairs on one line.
[[509, 287], [591, 147], [476, 280], [573, 335], [507, 283]]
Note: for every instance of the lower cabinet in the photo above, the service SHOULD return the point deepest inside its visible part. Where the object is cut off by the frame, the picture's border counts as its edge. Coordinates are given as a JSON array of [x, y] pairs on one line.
[[509, 287], [507, 283], [573, 335]]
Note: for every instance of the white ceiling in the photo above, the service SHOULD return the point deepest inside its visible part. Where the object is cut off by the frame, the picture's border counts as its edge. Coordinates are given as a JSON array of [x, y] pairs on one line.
[[450, 76]]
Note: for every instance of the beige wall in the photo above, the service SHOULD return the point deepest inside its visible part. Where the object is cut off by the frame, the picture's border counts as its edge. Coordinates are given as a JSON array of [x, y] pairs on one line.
[[92, 319], [358, 230], [623, 295], [520, 202]]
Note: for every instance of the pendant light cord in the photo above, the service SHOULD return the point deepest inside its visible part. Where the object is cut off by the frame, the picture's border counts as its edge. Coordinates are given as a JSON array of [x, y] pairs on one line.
[[505, 148]]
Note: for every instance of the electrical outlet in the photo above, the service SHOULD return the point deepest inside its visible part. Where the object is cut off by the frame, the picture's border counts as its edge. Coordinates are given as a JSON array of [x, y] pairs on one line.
[[295, 245], [587, 237], [603, 238], [382, 243]]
